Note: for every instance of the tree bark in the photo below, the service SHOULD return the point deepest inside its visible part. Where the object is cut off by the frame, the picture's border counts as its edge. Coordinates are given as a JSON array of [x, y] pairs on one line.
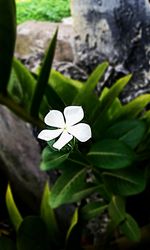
[[117, 31]]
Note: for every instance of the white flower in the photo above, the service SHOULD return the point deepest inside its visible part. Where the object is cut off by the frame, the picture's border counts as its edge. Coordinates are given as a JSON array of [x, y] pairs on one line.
[[67, 126]]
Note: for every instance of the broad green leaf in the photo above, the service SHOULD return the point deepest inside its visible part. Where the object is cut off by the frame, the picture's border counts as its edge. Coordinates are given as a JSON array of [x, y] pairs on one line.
[[48, 216], [95, 77], [103, 93], [107, 119], [107, 101], [14, 89], [52, 159], [111, 154], [88, 102], [13, 211], [113, 93], [134, 107], [93, 209], [7, 40], [87, 190], [129, 131], [54, 101], [43, 78], [86, 96], [74, 222], [116, 210], [125, 182], [26, 82], [65, 87], [92, 81], [130, 228], [114, 108], [70, 187], [79, 159], [71, 181], [32, 234], [6, 244], [146, 116]]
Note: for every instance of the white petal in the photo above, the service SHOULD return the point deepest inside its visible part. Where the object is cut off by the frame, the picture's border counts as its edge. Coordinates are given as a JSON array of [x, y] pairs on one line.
[[63, 140], [55, 119], [73, 115], [81, 131], [48, 135]]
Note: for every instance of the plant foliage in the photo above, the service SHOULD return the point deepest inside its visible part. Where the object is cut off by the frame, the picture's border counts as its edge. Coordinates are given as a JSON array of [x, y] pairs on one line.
[[114, 164]]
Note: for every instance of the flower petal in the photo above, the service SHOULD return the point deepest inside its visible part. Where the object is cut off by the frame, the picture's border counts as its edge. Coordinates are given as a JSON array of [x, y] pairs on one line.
[[81, 131], [55, 119], [73, 115], [63, 140], [48, 135]]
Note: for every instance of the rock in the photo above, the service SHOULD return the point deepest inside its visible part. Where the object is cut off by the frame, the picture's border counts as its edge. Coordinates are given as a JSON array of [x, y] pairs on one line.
[[117, 31], [20, 158], [67, 20], [33, 39], [72, 70]]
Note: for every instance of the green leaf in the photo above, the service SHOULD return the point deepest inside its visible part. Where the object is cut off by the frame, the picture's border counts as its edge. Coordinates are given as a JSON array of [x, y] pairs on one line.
[[32, 234], [74, 234], [114, 108], [74, 222], [134, 108], [130, 228], [14, 89], [129, 131], [70, 187], [125, 182], [7, 40], [42, 81], [103, 93], [93, 209], [26, 83], [92, 81], [71, 181], [52, 159], [116, 209], [13, 211], [87, 190], [54, 101], [48, 216], [86, 97], [65, 87], [114, 92], [79, 159], [111, 154], [95, 77], [107, 101], [6, 244]]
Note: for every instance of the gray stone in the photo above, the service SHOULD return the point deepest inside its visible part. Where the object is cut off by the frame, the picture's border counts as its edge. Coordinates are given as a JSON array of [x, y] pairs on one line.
[[33, 38], [20, 158], [117, 31]]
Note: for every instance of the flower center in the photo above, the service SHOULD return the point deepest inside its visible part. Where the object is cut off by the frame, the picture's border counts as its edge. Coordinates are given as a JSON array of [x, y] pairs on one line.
[[65, 128]]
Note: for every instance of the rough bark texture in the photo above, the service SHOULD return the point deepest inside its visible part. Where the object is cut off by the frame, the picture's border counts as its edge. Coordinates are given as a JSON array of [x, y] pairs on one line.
[[118, 31], [20, 158]]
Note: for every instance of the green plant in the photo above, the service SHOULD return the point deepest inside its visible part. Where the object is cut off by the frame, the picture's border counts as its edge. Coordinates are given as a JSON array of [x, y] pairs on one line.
[[35, 232], [116, 158], [42, 10]]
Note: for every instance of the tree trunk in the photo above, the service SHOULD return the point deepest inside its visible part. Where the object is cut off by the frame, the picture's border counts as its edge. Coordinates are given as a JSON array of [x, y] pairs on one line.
[[117, 31]]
